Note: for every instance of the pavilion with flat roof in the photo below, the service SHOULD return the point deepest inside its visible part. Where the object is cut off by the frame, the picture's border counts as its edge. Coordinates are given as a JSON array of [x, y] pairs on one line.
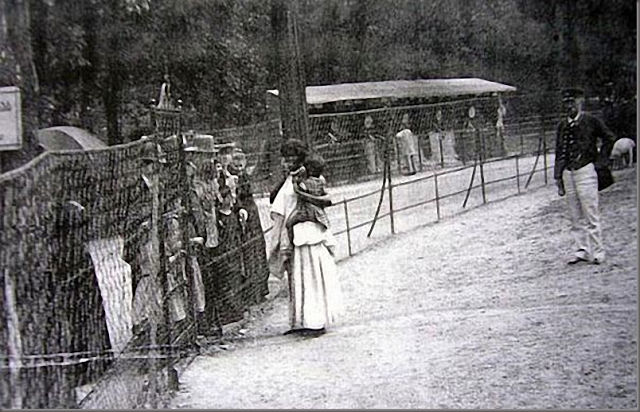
[[401, 89]]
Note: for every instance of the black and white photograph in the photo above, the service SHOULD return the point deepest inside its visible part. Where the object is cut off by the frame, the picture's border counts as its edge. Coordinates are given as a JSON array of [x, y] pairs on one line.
[[319, 204]]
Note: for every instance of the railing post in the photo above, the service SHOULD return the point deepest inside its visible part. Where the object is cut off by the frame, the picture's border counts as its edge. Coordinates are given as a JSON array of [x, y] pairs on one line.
[[482, 157], [393, 230], [419, 140], [482, 185], [398, 159], [518, 173], [435, 181], [544, 151], [346, 219]]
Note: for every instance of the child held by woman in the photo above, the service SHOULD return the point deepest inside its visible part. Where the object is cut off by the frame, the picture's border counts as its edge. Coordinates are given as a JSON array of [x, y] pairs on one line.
[[309, 181]]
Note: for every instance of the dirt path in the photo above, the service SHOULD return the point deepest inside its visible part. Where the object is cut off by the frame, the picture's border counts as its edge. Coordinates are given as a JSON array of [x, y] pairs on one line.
[[477, 311]]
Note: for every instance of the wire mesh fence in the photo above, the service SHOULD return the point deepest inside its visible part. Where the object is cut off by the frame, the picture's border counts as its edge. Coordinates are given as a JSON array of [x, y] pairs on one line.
[[115, 261], [62, 218], [441, 134], [108, 275]]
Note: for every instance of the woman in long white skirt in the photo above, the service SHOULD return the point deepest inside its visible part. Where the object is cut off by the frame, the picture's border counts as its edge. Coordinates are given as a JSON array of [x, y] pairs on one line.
[[314, 292]]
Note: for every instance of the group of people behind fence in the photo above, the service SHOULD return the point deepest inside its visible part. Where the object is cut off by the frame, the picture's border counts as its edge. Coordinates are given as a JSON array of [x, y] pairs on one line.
[[413, 140], [224, 256], [369, 147]]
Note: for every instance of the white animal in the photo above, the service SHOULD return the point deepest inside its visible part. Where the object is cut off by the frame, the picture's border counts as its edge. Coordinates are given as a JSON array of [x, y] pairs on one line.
[[621, 147]]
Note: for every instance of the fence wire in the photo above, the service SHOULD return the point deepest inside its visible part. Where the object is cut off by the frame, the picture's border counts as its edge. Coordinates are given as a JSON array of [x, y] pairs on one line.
[[442, 134], [109, 278], [116, 262]]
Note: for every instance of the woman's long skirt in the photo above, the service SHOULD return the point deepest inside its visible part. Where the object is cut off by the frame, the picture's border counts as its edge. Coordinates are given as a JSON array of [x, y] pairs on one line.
[[315, 299]]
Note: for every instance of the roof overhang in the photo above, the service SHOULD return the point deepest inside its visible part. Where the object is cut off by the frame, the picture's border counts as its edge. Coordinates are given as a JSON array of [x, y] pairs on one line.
[[401, 89], [68, 138]]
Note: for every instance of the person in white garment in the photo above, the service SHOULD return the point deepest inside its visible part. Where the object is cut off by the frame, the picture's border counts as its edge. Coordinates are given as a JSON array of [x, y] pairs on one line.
[[314, 293], [164, 101], [408, 143], [622, 148]]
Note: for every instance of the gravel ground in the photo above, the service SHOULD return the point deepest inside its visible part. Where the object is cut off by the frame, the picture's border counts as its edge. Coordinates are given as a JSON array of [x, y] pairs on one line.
[[477, 311]]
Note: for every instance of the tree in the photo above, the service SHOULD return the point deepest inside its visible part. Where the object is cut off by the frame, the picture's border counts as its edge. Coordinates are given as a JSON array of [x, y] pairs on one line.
[[17, 69], [293, 103], [98, 62]]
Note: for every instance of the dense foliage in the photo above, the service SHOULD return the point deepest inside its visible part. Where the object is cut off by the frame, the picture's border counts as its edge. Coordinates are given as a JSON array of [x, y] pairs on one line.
[[99, 62]]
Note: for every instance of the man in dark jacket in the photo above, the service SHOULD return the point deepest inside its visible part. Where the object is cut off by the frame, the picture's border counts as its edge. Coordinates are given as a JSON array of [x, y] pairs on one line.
[[577, 153]]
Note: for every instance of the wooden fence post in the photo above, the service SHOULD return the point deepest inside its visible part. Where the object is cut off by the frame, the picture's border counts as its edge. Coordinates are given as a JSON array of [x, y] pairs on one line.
[[518, 173], [346, 218], [535, 164], [482, 184], [435, 181], [482, 157], [544, 151], [393, 230]]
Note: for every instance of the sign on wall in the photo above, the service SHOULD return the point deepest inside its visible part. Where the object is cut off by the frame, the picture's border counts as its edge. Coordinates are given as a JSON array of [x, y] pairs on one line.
[[10, 119]]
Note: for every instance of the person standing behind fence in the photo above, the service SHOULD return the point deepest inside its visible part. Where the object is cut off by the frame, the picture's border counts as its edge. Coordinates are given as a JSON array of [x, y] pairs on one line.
[[314, 293], [408, 145], [175, 253], [372, 146], [224, 273], [253, 242], [204, 201], [576, 177], [199, 231], [225, 177], [147, 298], [501, 113]]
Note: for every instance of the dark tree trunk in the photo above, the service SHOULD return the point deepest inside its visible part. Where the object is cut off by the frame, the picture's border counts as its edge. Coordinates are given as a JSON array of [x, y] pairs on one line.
[[88, 72], [570, 60], [112, 107], [112, 89], [360, 24], [469, 43], [17, 68], [113, 81], [291, 82]]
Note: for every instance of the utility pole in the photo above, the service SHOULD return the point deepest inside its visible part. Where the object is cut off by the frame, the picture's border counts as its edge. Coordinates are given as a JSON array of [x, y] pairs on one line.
[[290, 70]]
